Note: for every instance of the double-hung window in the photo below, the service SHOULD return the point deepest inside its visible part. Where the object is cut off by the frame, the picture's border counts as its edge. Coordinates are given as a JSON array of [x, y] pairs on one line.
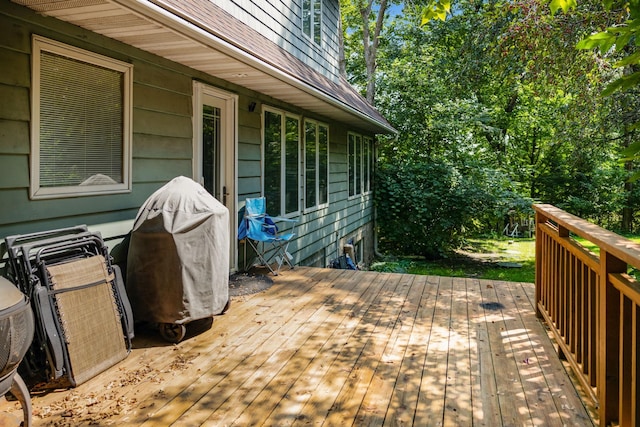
[[312, 20], [81, 122], [281, 144], [360, 164], [316, 163]]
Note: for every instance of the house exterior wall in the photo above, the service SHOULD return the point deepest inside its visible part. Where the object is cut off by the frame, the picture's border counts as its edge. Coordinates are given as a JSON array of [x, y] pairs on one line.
[[281, 22], [161, 147]]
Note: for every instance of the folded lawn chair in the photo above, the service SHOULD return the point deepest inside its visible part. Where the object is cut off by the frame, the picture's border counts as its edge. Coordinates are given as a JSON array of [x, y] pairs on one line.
[[83, 319], [262, 233]]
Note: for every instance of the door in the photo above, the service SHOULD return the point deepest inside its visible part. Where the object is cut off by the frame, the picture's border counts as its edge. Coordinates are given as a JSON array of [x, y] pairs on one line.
[[215, 152]]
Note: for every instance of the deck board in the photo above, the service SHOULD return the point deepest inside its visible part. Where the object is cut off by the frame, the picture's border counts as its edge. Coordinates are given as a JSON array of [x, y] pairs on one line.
[[338, 347]]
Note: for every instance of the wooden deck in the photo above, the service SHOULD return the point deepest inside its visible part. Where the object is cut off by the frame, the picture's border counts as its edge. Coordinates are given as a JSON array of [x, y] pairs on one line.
[[338, 347]]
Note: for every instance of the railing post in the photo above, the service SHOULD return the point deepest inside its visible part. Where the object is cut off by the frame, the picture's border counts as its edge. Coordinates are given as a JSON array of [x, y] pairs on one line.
[[609, 337]]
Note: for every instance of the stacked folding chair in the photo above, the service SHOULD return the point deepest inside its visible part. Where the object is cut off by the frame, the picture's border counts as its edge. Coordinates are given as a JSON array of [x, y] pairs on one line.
[[261, 232], [83, 318]]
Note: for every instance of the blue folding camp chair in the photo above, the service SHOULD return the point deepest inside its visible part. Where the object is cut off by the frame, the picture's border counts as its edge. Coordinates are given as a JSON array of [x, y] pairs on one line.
[[261, 231]]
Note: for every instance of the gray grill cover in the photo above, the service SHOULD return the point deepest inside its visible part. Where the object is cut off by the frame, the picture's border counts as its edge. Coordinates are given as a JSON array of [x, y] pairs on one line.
[[178, 261]]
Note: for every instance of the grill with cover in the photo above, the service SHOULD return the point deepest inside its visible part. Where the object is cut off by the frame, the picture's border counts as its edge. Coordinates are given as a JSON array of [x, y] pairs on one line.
[[178, 258]]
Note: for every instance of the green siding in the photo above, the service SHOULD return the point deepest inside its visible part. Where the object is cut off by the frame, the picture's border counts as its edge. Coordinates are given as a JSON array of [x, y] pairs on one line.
[[161, 147], [162, 78], [248, 187], [15, 171], [160, 123], [249, 151], [14, 136], [19, 72], [159, 170], [14, 35], [157, 99], [18, 108]]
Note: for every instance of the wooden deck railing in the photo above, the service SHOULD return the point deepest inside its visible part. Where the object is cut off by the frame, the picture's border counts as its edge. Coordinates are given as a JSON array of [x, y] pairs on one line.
[[593, 309]]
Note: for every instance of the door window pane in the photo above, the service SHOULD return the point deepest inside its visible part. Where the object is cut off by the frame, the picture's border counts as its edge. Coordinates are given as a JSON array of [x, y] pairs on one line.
[[211, 149]]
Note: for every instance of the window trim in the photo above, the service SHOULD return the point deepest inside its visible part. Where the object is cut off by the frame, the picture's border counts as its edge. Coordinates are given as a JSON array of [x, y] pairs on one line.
[[40, 44], [311, 35], [283, 172]]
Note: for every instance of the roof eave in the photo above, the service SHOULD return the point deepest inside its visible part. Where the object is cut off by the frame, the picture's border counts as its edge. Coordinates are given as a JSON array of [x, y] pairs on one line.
[[177, 23]]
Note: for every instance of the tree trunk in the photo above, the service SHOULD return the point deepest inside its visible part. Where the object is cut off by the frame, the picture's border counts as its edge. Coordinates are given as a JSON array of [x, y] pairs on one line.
[[342, 62], [370, 44]]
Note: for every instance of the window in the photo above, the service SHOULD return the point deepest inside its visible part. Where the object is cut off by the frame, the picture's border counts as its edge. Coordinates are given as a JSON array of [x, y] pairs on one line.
[[312, 20], [281, 162], [368, 164], [316, 164], [81, 122], [355, 174], [361, 163]]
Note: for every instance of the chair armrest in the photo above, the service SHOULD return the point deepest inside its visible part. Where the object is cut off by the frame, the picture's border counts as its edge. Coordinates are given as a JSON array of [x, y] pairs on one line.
[[279, 219]]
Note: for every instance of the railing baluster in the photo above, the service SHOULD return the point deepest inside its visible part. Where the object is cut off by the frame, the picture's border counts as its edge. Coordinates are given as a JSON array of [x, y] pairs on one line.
[[626, 320], [541, 261], [635, 395], [591, 321]]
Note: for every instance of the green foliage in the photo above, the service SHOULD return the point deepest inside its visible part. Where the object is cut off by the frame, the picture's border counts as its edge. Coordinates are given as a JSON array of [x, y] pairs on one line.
[[428, 208], [565, 5], [623, 40], [496, 107], [436, 9]]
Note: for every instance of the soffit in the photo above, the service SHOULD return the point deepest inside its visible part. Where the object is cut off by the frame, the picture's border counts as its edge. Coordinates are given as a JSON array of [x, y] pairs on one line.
[[181, 31]]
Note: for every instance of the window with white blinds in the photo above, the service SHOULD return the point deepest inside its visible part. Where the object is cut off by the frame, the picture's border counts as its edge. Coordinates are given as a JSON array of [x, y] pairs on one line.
[[81, 122]]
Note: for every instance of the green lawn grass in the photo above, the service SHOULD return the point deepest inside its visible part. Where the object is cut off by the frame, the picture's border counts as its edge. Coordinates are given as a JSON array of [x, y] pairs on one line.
[[484, 258], [595, 249], [498, 259]]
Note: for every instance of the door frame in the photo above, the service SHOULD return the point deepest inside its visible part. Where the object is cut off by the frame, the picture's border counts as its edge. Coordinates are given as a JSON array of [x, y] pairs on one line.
[[229, 152]]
